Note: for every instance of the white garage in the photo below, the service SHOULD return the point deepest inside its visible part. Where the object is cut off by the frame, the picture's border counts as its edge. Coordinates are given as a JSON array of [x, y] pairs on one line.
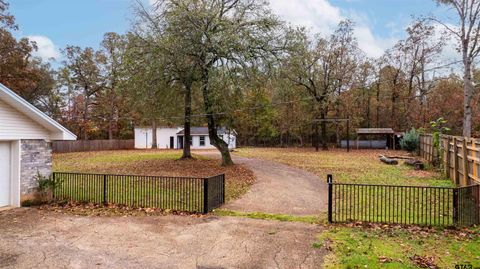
[[25, 148], [5, 164]]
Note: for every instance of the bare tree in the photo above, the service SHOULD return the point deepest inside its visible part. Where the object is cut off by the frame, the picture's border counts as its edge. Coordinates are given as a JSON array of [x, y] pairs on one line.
[[467, 33]]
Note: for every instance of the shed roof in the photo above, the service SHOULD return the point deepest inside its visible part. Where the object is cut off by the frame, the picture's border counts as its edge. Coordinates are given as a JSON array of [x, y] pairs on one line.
[[202, 131], [375, 131], [58, 131]]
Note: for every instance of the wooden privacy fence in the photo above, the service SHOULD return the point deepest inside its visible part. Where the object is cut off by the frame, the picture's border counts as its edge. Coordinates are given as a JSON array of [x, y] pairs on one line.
[[460, 157], [91, 145], [187, 194]]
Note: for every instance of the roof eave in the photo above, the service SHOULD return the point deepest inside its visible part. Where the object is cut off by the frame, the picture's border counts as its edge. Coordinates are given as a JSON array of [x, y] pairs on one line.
[[58, 131]]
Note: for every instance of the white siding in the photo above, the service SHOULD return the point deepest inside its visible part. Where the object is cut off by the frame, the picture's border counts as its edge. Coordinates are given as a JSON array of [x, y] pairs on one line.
[[163, 137], [15, 125], [143, 139]]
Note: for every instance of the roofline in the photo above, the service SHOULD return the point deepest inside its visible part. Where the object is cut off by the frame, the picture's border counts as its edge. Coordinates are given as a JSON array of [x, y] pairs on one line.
[[66, 134]]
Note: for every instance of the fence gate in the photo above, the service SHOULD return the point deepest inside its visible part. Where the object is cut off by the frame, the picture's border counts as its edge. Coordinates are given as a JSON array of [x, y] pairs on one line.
[[468, 205], [437, 206]]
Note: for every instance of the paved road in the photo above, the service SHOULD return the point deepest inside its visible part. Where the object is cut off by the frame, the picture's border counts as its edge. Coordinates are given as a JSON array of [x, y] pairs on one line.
[[279, 189], [30, 238]]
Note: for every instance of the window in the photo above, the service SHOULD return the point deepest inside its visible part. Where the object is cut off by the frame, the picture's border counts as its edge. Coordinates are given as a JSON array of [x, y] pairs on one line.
[[202, 141], [191, 140]]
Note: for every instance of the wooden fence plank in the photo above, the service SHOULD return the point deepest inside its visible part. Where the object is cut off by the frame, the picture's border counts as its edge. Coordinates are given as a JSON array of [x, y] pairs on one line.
[[91, 145], [461, 157]]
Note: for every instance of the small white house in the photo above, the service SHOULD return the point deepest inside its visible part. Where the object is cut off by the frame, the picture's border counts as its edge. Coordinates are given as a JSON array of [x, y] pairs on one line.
[[25, 148], [172, 138]]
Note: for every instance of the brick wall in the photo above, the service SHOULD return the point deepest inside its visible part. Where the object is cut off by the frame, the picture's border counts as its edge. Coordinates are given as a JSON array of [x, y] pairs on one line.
[[36, 156]]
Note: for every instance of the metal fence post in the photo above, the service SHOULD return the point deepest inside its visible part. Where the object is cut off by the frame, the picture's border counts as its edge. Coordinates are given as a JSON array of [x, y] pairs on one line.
[[54, 185], [330, 193], [455, 206], [205, 195], [223, 188], [104, 189]]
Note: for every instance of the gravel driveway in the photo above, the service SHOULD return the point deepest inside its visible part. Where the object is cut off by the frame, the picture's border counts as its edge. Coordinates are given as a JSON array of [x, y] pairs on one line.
[[279, 188], [32, 238]]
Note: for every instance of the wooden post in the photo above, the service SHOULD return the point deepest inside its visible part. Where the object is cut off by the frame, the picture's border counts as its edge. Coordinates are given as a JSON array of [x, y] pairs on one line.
[[455, 161], [348, 135], [465, 162], [475, 159], [447, 158], [393, 141]]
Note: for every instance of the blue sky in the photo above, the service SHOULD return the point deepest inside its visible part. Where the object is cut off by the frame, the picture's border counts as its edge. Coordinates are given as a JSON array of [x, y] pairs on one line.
[[57, 23]]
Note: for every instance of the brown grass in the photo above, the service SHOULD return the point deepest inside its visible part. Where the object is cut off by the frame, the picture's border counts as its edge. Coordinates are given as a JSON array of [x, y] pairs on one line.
[[357, 166]]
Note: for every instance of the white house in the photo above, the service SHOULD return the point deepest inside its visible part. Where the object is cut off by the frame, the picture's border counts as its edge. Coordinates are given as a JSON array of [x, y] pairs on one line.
[[25, 148], [172, 138]]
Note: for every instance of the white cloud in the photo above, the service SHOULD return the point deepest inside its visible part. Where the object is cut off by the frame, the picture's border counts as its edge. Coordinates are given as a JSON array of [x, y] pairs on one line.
[[46, 49], [321, 17]]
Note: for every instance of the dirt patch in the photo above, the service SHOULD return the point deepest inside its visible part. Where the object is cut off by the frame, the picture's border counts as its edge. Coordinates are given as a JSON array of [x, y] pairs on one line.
[[44, 239]]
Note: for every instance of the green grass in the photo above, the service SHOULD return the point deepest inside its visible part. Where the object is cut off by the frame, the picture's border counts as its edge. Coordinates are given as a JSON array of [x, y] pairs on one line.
[[155, 163], [361, 166], [268, 216], [394, 247], [138, 192]]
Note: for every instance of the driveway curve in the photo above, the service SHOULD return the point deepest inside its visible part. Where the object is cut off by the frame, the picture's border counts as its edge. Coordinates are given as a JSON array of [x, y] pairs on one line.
[[279, 189]]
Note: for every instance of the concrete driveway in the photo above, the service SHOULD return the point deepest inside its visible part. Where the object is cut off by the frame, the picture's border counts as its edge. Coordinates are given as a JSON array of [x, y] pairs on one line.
[[31, 238]]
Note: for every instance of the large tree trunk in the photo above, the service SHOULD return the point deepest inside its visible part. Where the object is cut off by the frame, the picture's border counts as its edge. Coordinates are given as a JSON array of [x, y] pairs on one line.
[[468, 95], [377, 120], [188, 112], [85, 117], [212, 128], [110, 129], [154, 134], [324, 130], [110, 119]]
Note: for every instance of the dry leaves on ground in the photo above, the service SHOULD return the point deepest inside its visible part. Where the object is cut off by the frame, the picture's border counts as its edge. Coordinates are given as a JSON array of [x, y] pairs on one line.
[[91, 209], [424, 261]]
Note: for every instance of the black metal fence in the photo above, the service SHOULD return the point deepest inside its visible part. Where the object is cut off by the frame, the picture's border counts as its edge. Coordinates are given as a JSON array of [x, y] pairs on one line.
[[436, 206], [176, 193]]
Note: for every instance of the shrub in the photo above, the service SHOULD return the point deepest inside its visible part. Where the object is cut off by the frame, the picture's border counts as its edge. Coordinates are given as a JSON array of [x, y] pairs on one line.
[[46, 187], [410, 141]]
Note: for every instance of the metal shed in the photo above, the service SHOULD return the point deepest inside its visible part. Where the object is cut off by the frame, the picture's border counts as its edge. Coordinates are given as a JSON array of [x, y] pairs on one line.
[[388, 132]]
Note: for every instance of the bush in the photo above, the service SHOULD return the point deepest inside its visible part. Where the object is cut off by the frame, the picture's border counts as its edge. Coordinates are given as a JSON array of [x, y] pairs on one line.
[[46, 187], [410, 141]]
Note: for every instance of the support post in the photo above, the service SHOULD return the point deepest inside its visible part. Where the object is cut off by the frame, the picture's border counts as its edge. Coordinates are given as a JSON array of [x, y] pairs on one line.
[[105, 189], [465, 162], [223, 190], [54, 185], [447, 157], [455, 206], [348, 134], [455, 161], [330, 198], [205, 196]]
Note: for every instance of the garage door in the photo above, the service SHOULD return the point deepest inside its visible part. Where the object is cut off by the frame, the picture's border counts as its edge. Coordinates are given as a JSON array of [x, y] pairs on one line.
[[5, 167]]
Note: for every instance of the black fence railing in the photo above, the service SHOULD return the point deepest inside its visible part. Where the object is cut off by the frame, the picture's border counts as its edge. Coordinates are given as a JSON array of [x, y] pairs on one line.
[[176, 193], [435, 206]]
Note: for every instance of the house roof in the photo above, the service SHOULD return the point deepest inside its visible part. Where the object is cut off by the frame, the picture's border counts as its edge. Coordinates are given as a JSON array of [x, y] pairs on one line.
[[58, 131], [202, 131], [378, 131]]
